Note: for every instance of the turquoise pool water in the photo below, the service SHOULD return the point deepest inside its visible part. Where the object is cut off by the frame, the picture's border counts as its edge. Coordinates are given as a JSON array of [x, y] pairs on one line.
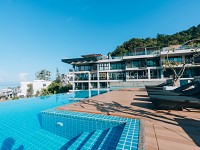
[[87, 94], [21, 126]]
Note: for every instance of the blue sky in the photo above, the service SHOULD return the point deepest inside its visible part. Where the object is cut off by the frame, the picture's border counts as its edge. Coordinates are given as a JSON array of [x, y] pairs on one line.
[[37, 34]]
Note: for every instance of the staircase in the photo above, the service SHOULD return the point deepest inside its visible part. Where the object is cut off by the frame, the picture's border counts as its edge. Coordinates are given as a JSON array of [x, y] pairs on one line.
[[97, 140]]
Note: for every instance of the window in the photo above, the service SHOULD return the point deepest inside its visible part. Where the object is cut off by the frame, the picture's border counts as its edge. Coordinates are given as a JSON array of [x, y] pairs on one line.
[[104, 66], [152, 62], [82, 68], [189, 58], [117, 76], [44, 85], [135, 63], [175, 59], [115, 66]]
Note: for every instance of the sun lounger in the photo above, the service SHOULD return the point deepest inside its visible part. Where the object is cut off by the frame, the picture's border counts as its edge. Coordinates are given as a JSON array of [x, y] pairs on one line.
[[160, 85], [179, 98], [182, 90], [157, 87], [175, 102]]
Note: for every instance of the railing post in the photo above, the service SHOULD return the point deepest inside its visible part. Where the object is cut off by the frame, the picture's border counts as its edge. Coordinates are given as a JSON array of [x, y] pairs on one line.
[[145, 51]]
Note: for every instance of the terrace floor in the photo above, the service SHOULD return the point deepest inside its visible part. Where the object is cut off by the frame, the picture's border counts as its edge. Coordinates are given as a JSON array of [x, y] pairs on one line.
[[164, 130]]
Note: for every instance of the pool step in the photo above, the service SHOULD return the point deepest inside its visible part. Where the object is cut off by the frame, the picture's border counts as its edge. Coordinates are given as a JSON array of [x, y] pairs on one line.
[[95, 140], [81, 140], [111, 139], [98, 140]]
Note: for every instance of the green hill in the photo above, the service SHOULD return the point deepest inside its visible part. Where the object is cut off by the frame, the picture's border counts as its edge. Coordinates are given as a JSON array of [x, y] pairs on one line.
[[161, 40]]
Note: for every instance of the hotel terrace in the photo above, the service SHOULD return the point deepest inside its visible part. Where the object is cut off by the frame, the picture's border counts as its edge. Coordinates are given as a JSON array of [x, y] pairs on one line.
[[140, 67]]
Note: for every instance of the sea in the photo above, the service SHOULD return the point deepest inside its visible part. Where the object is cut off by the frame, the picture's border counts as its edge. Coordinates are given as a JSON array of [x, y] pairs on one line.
[[8, 85]]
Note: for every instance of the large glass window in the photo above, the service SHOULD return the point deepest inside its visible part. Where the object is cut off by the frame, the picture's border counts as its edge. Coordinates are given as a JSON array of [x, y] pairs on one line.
[[104, 66], [155, 74], [82, 68], [81, 76], [103, 85], [93, 76], [188, 58], [138, 74], [135, 63], [175, 59], [117, 76], [116, 66], [152, 62]]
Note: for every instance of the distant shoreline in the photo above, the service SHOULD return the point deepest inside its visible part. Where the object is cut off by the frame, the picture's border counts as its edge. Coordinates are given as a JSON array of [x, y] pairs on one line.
[[8, 85]]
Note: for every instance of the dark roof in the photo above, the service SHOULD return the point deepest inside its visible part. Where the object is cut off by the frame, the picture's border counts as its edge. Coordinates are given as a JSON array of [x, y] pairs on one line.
[[88, 59], [91, 55]]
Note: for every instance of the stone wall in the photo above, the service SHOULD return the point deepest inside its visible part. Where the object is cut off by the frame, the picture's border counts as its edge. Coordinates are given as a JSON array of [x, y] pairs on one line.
[[134, 83]]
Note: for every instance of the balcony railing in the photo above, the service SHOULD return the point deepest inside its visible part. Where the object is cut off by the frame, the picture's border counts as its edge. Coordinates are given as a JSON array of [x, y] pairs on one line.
[[147, 52]]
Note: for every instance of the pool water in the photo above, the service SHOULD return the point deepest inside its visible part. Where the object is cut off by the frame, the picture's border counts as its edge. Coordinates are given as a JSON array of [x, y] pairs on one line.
[[88, 93], [20, 127]]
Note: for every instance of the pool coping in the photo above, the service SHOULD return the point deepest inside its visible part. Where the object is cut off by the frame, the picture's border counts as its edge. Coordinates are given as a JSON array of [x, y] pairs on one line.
[[141, 143]]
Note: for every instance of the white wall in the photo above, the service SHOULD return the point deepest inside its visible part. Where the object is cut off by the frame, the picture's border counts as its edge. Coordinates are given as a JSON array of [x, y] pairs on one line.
[[38, 85]]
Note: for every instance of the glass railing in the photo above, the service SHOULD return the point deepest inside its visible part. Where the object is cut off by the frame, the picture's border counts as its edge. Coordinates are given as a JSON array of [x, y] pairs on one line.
[[185, 47], [80, 79], [147, 52], [94, 78]]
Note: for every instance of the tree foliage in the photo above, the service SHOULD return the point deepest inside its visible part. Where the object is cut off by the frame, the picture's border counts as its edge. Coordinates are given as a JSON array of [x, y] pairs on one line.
[[29, 91], [55, 88], [58, 77], [173, 64], [161, 40], [66, 88], [43, 75], [44, 92]]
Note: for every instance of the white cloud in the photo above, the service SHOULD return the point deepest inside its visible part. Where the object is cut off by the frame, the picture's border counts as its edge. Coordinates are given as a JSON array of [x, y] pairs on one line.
[[23, 76]]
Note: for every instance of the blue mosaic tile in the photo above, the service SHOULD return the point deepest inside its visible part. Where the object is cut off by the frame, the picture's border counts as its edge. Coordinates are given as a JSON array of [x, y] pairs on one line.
[[103, 132]]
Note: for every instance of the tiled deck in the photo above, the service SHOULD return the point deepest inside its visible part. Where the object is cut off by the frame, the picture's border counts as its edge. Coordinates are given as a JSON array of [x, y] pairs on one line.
[[164, 130]]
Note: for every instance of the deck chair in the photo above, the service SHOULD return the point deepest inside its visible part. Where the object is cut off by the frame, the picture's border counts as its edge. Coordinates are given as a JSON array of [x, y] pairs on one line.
[[158, 87], [175, 101], [182, 90]]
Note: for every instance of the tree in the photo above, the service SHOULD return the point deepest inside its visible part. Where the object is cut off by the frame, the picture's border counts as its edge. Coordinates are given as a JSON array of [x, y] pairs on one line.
[[65, 89], [37, 93], [58, 77], [173, 64], [43, 75], [53, 88], [161, 40], [44, 92], [29, 91]]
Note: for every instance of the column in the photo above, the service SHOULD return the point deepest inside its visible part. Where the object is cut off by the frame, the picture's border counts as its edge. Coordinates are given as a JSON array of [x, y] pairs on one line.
[[98, 84], [89, 85], [73, 78], [149, 73], [161, 74], [145, 51], [107, 73]]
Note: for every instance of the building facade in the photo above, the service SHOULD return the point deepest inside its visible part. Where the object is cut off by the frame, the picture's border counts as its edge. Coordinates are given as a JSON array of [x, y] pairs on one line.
[[143, 65], [38, 85]]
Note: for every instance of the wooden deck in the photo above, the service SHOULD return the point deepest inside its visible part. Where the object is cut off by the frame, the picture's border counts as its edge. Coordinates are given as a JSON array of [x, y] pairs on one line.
[[164, 130]]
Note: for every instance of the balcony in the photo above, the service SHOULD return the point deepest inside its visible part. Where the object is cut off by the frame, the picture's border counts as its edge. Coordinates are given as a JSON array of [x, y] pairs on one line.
[[81, 77], [143, 52], [85, 68]]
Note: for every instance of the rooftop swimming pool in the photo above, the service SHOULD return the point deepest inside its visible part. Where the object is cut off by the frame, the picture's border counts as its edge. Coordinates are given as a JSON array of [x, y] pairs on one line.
[[87, 94], [34, 124]]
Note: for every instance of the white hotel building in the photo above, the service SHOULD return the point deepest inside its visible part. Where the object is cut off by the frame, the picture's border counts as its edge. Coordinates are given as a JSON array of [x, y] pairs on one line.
[[141, 67]]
